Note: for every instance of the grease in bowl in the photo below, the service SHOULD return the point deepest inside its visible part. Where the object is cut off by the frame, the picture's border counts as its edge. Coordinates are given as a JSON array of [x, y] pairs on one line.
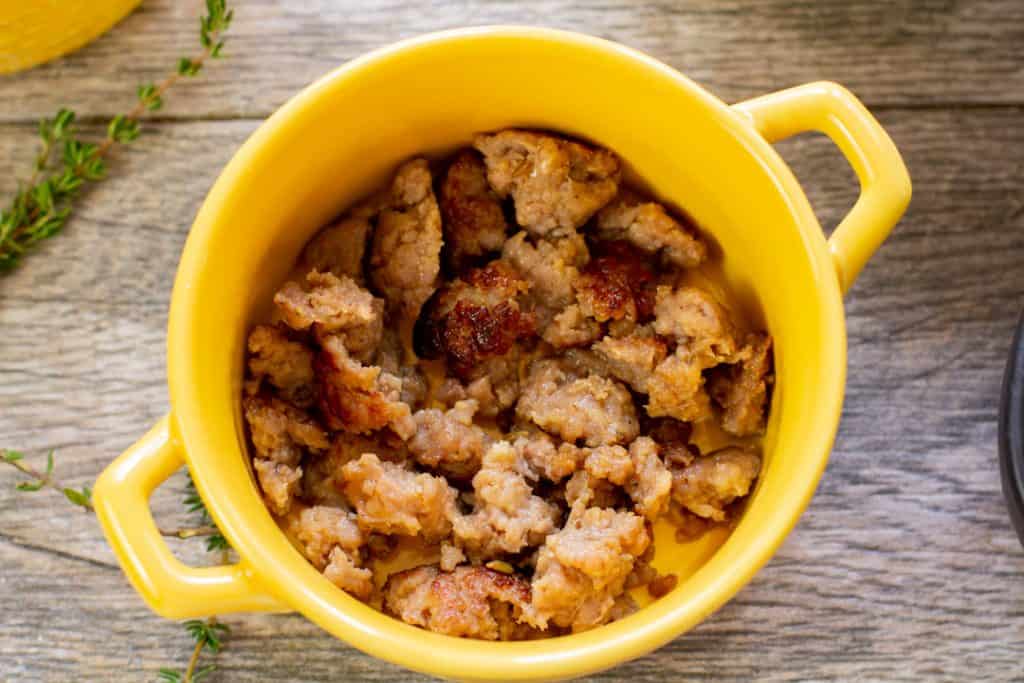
[[485, 383]]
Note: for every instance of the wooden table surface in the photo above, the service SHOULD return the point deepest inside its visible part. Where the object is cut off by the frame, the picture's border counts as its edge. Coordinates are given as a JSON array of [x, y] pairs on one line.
[[904, 567]]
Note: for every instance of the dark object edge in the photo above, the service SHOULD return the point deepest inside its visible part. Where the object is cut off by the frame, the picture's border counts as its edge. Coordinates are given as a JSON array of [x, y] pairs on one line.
[[1011, 432]]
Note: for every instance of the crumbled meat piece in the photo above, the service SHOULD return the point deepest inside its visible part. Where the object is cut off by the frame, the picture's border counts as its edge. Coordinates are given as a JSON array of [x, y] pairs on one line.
[[321, 528], [343, 571], [616, 284], [612, 463], [449, 441], [452, 391], [545, 458], [742, 390], [572, 327], [470, 602], [593, 408], [363, 341], [280, 431], [381, 547], [678, 453], [280, 483], [405, 259], [676, 389], [691, 316], [474, 221], [390, 356], [331, 303], [618, 329], [475, 318], [321, 478], [689, 527], [713, 481], [623, 606], [494, 385], [339, 248], [667, 431], [648, 226], [643, 573], [414, 386], [392, 500], [550, 266], [584, 489], [507, 517], [358, 398], [583, 362], [502, 376], [556, 184], [673, 440], [287, 364], [651, 483], [662, 586], [451, 556], [583, 568], [631, 359]]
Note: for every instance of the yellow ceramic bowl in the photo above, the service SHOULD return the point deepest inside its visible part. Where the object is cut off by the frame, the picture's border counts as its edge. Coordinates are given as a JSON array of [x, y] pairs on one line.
[[35, 31], [341, 138]]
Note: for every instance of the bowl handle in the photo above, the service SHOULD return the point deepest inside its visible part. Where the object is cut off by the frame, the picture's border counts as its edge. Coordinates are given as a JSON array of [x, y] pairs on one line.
[[172, 589], [831, 109]]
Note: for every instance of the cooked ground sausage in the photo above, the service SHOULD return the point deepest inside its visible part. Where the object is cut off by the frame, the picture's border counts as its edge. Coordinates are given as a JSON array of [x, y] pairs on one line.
[[393, 500], [286, 364], [591, 408], [647, 226], [339, 248], [358, 398], [405, 259], [448, 441], [507, 516], [474, 222], [711, 482], [477, 317], [616, 284], [469, 602], [742, 389], [556, 184], [693, 318], [280, 431], [521, 418], [583, 568]]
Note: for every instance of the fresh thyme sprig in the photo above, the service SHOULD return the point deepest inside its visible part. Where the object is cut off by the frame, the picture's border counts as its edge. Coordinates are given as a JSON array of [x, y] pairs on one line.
[[207, 636], [39, 480], [83, 497], [41, 207], [194, 503]]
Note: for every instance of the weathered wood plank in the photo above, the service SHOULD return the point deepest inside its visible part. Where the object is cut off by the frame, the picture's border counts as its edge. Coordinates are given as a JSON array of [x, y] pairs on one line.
[[896, 53], [904, 567]]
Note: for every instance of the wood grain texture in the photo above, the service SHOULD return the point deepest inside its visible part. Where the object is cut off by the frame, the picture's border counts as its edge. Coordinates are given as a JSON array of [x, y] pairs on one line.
[[903, 52], [904, 568]]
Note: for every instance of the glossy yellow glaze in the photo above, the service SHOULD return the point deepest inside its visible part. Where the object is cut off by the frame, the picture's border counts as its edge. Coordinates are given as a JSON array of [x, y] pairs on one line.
[[342, 137], [35, 31]]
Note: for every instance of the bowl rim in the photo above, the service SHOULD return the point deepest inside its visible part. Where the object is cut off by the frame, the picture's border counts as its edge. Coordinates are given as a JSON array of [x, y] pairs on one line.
[[431, 653]]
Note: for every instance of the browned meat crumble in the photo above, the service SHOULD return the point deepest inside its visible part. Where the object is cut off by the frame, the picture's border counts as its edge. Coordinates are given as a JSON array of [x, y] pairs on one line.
[[504, 378]]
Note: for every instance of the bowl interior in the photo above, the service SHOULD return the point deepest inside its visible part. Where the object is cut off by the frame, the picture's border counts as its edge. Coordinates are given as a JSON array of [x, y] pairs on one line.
[[344, 136]]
